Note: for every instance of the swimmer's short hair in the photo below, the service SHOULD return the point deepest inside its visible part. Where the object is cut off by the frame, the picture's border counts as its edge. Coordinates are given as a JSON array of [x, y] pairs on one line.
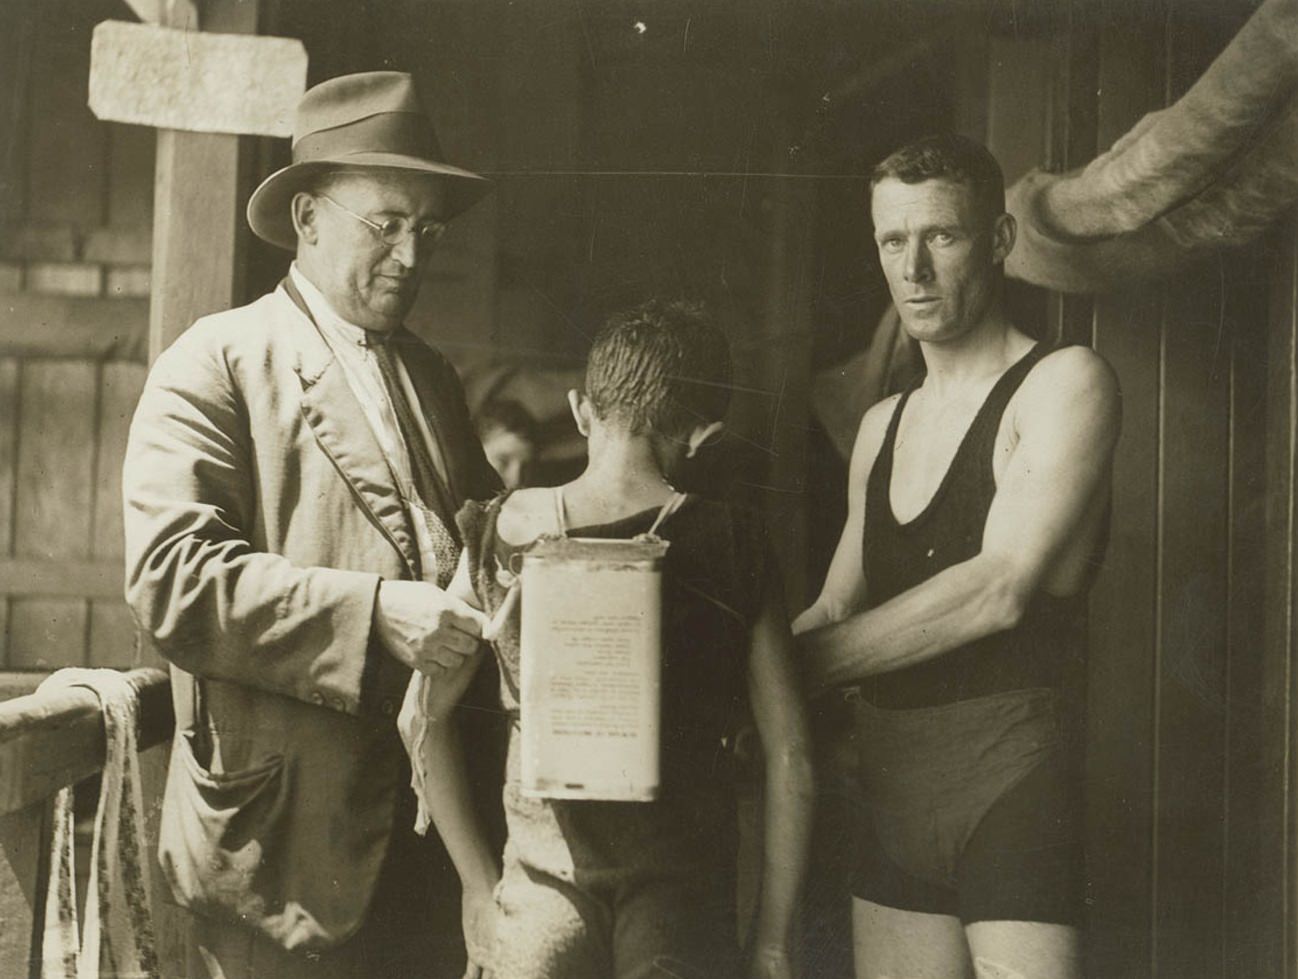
[[661, 368], [947, 157]]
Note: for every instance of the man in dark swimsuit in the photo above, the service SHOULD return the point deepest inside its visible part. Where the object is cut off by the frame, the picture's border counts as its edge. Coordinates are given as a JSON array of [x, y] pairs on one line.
[[977, 504]]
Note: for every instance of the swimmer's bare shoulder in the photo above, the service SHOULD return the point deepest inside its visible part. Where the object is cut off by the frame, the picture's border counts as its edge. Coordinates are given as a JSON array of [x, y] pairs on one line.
[[1072, 390], [1053, 488]]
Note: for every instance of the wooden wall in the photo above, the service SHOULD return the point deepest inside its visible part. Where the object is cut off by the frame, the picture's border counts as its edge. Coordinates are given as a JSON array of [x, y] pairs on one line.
[[1190, 676], [75, 215]]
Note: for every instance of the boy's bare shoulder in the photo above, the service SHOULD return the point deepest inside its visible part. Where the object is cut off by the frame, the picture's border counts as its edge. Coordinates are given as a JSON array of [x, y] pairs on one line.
[[532, 499], [526, 513]]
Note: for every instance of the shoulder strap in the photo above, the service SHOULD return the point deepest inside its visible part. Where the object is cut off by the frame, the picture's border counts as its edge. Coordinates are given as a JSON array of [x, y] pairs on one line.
[[988, 419], [882, 468], [668, 508], [559, 518]]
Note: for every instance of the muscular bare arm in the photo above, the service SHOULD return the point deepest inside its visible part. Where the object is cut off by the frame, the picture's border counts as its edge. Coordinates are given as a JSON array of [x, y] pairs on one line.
[[1067, 418]]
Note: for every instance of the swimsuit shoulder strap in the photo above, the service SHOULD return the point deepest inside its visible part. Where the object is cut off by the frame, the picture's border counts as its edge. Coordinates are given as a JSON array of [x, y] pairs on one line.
[[559, 517], [668, 508]]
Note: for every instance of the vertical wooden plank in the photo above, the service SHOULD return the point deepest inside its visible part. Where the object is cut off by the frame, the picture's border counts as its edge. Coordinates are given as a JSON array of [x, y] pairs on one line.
[[1190, 788], [1072, 130], [17, 30], [22, 894], [8, 471], [1254, 885], [1123, 623], [1019, 82], [47, 633], [970, 86], [112, 636], [112, 631], [131, 151], [169, 920], [1277, 708], [56, 454], [1120, 721], [120, 387], [68, 150]]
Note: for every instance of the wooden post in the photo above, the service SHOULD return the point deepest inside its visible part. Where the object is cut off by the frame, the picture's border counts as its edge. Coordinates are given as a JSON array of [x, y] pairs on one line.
[[199, 234]]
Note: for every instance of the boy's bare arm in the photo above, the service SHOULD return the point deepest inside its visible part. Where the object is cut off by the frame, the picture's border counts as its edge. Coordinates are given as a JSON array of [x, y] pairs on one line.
[[427, 725], [428, 729], [1068, 420], [777, 704]]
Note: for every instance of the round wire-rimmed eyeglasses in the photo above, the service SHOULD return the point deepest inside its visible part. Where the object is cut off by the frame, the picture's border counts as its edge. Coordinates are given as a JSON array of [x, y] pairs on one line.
[[393, 231]]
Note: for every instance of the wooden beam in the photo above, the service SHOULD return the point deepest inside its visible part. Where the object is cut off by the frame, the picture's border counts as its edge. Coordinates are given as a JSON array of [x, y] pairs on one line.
[[33, 325], [23, 242], [55, 739], [199, 81], [62, 579]]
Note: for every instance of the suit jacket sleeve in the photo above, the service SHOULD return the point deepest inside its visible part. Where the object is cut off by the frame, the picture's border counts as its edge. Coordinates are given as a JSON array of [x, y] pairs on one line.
[[211, 602]]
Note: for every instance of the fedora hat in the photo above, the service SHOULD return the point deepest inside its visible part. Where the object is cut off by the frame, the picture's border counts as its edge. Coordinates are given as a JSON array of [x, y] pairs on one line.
[[371, 120]]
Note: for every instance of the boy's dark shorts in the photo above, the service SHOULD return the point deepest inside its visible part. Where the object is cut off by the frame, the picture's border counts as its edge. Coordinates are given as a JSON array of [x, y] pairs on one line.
[[972, 809]]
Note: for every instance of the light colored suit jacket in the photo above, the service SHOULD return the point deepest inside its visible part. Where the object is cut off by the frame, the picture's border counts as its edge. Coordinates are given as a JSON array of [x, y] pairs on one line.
[[260, 517]]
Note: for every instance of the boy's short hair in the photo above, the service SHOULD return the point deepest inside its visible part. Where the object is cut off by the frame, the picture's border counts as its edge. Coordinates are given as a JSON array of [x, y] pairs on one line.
[[663, 368], [947, 157]]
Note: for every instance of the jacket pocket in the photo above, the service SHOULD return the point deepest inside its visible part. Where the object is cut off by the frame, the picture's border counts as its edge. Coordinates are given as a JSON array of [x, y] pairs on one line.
[[219, 840]]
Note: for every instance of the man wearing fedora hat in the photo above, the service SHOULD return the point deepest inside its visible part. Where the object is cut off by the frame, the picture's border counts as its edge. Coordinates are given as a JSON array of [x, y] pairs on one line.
[[291, 481]]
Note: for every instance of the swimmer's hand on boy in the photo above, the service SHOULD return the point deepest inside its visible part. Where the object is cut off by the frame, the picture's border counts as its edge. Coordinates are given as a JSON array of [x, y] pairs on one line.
[[424, 627]]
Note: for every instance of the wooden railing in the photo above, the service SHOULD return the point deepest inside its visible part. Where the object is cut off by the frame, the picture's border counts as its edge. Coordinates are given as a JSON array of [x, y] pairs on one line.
[[48, 741]]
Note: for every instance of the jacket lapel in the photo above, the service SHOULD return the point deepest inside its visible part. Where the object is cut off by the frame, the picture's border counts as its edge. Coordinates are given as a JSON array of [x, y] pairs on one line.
[[335, 415]]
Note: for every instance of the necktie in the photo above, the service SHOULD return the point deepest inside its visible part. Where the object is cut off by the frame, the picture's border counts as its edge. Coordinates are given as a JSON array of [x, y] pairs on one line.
[[433, 494]]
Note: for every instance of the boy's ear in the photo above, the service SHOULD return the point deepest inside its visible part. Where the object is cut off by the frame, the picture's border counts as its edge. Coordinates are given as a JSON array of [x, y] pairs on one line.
[[580, 411], [701, 436]]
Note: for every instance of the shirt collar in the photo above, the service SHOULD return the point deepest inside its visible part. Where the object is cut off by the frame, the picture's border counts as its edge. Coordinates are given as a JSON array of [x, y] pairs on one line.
[[323, 313]]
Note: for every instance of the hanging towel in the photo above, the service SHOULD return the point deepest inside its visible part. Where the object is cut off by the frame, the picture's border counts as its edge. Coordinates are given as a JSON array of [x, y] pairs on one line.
[[1214, 169], [116, 941]]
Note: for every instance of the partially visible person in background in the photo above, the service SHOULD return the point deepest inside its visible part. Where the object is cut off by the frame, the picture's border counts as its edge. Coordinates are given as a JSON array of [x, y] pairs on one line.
[[508, 436]]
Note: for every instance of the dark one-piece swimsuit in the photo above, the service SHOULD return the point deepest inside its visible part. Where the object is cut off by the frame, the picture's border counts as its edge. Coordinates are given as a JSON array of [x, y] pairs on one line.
[[968, 776]]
